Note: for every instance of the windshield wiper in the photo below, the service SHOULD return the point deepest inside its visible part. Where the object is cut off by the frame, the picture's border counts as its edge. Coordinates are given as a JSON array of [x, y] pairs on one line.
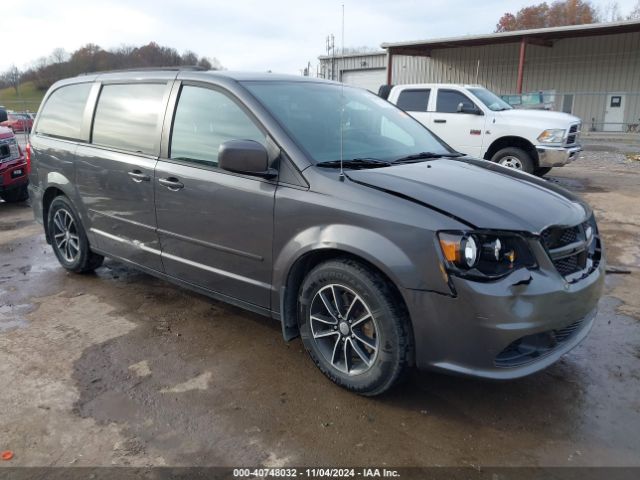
[[355, 163], [425, 156]]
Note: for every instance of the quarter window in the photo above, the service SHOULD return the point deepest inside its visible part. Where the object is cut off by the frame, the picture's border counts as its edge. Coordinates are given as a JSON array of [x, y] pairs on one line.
[[128, 116], [413, 100], [62, 114], [205, 119], [448, 101]]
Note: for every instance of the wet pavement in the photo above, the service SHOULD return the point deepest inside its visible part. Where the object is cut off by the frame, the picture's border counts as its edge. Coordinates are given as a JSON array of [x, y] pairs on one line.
[[120, 368]]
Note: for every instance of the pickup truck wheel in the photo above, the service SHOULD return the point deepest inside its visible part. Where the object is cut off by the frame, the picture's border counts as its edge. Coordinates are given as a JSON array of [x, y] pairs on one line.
[[513, 157], [19, 194], [354, 327], [542, 171], [68, 238]]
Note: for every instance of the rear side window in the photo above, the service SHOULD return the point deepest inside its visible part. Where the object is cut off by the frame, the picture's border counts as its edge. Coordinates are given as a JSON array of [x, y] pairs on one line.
[[62, 114], [127, 117], [448, 101], [414, 100], [204, 119]]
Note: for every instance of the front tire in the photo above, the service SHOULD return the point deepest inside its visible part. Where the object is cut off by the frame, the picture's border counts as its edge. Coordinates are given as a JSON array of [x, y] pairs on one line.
[[68, 238], [542, 171], [354, 326], [16, 195], [515, 158]]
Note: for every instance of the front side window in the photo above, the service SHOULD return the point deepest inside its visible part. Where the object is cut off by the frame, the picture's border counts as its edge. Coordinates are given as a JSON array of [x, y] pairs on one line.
[[62, 114], [413, 100], [331, 122], [205, 119], [127, 117], [448, 101]]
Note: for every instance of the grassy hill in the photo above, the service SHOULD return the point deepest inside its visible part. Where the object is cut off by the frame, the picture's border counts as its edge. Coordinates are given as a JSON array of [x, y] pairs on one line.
[[27, 98]]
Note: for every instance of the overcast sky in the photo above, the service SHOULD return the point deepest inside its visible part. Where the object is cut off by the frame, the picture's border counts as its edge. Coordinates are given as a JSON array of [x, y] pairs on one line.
[[277, 35]]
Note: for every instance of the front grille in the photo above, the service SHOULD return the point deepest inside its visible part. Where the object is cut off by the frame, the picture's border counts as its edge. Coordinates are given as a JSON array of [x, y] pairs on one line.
[[574, 132], [575, 251], [531, 347]]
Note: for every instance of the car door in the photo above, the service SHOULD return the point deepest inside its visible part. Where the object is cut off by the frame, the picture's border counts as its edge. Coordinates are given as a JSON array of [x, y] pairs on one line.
[[463, 130], [215, 227], [114, 172]]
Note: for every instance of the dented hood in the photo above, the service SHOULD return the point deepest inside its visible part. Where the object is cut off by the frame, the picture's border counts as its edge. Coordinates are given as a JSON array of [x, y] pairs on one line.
[[479, 193]]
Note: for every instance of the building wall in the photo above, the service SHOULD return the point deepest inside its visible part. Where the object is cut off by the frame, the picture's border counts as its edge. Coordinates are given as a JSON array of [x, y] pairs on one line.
[[588, 68], [356, 62]]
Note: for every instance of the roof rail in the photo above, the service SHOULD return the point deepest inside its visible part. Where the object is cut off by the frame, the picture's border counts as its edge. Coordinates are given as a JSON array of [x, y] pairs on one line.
[[176, 68]]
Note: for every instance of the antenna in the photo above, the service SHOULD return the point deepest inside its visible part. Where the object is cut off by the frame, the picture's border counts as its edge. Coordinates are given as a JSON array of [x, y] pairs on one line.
[[342, 106]]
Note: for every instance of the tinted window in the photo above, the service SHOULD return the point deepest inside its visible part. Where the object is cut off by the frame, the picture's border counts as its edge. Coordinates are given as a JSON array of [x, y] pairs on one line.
[[448, 101], [127, 117], [204, 119], [62, 115], [330, 120], [413, 100]]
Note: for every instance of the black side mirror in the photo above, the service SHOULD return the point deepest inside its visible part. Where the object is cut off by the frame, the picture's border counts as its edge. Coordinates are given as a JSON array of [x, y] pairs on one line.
[[245, 156], [472, 109]]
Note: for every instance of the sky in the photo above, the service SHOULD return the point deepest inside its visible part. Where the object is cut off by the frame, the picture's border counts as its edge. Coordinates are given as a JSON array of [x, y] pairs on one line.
[[250, 35]]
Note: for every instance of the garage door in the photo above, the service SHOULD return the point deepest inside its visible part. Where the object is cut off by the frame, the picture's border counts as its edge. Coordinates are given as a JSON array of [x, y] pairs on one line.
[[369, 79]]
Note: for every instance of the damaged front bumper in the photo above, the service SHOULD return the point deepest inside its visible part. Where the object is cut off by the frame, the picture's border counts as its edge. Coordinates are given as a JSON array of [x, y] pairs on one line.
[[556, 156]]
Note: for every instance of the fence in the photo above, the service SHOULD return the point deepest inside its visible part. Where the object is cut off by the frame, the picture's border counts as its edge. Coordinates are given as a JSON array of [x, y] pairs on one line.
[[599, 111]]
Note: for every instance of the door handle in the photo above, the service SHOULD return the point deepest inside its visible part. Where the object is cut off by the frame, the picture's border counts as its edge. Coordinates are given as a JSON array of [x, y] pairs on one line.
[[137, 176], [172, 183], [439, 120]]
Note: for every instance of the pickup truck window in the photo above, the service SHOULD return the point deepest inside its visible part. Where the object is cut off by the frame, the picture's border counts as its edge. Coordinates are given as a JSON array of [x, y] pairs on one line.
[[414, 100], [490, 99], [448, 101]]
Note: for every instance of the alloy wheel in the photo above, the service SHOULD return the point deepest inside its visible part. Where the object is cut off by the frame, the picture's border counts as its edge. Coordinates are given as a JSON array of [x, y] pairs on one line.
[[65, 235], [344, 329]]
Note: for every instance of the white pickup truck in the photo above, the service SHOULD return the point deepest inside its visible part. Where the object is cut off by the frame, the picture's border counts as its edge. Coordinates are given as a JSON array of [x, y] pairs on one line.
[[477, 122]]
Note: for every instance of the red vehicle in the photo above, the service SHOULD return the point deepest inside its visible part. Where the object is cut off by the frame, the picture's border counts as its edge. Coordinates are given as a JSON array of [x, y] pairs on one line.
[[14, 168], [18, 122]]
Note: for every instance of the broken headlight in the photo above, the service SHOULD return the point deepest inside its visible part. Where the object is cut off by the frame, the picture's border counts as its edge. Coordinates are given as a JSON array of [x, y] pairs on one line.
[[484, 255]]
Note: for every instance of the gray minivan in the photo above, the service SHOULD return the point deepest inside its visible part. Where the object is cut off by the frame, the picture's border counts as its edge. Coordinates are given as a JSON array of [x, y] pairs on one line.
[[324, 207]]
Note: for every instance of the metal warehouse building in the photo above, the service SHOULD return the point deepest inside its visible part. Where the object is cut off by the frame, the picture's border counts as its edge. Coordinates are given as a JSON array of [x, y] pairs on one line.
[[592, 71]]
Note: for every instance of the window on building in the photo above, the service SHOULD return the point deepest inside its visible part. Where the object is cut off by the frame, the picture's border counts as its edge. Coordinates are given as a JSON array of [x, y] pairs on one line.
[[128, 117], [205, 119]]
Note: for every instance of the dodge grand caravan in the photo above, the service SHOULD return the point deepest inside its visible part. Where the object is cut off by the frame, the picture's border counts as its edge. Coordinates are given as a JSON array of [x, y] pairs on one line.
[[324, 207]]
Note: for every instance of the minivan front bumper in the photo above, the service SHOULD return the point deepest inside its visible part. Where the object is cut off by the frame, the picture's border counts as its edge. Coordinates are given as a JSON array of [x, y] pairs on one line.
[[505, 329], [556, 156]]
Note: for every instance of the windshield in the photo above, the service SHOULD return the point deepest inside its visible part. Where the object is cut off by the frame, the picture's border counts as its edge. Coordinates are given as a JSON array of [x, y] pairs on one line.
[[490, 99], [372, 128]]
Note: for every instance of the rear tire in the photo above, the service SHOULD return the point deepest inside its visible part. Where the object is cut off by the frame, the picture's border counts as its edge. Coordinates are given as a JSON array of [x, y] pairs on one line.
[[354, 326], [68, 238], [16, 195], [515, 158]]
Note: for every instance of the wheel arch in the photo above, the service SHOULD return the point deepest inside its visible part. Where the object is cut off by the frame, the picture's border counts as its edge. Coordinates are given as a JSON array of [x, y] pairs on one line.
[[512, 141], [301, 267]]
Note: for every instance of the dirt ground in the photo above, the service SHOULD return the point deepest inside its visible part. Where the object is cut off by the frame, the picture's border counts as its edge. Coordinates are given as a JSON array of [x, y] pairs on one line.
[[119, 368]]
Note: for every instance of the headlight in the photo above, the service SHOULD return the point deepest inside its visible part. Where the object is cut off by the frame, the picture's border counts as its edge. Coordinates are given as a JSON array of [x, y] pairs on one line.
[[553, 135], [484, 255]]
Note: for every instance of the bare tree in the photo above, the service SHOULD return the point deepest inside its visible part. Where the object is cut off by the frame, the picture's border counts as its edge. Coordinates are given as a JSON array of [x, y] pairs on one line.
[[635, 13], [12, 78]]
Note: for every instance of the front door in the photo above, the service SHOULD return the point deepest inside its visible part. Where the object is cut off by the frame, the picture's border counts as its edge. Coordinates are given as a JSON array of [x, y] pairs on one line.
[[614, 113], [463, 131], [215, 227]]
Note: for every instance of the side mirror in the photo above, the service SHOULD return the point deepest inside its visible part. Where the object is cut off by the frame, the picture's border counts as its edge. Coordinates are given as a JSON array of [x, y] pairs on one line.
[[473, 110], [245, 156]]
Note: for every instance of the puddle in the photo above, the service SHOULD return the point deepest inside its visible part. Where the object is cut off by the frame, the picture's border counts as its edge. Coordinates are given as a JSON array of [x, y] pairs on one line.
[[13, 316]]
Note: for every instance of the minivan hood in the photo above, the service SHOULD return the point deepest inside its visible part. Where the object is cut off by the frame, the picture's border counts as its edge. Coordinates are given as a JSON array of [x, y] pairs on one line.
[[544, 118], [479, 193]]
